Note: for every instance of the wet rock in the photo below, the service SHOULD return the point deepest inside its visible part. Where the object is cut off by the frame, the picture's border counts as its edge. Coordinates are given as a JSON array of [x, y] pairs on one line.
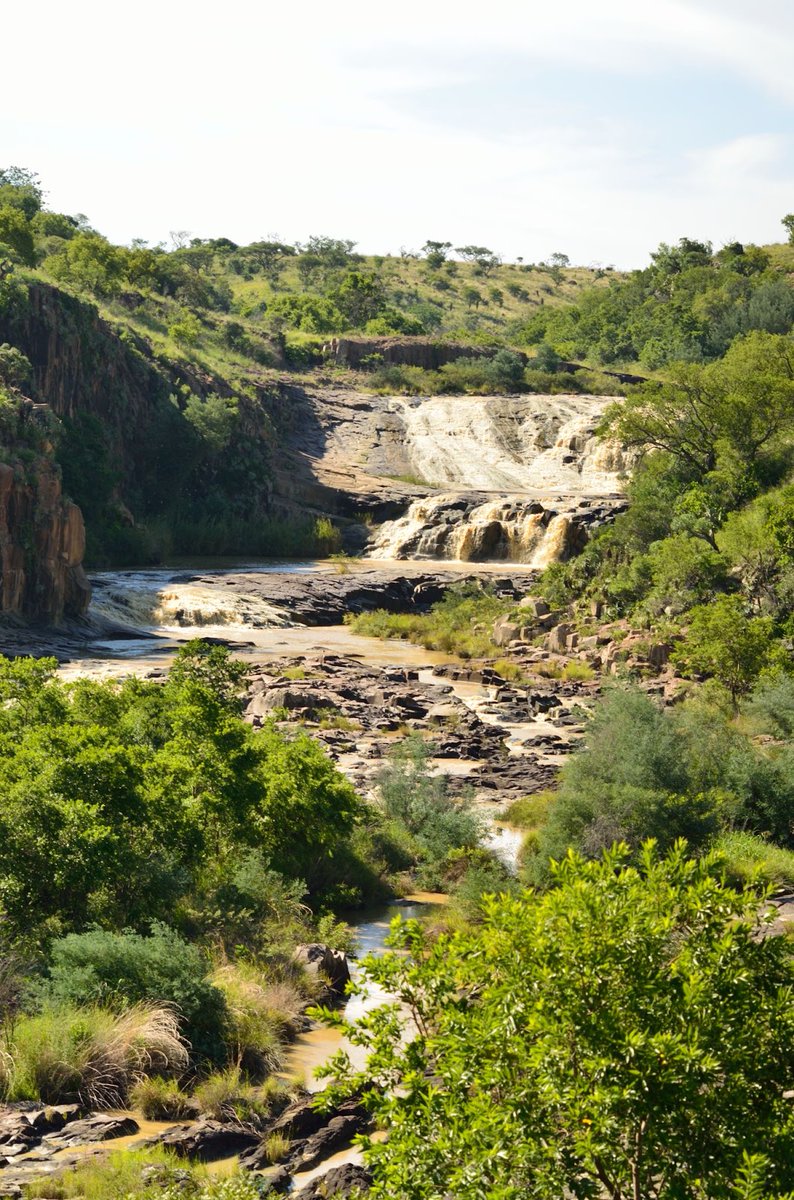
[[205, 1141], [278, 1180], [337, 1133], [97, 1128], [344, 1180], [320, 960]]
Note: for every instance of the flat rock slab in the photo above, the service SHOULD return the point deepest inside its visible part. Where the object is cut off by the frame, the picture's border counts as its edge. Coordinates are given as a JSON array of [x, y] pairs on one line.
[[94, 1129], [205, 1141]]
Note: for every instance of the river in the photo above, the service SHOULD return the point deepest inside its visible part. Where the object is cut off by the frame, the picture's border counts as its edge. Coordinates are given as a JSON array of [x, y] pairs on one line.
[[165, 607]]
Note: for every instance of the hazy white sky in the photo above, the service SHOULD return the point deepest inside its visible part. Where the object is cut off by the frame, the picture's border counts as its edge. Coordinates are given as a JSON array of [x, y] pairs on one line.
[[593, 128]]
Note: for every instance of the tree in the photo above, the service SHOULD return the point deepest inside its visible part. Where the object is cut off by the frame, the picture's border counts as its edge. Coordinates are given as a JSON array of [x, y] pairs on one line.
[[472, 297], [745, 401], [788, 224], [559, 260], [626, 1034], [21, 189], [15, 233], [483, 258], [436, 253], [724, 643], [359, 297]]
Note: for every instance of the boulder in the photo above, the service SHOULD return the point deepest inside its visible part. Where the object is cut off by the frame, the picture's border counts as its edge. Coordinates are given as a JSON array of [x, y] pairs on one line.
[[205, 1141], [345, 1180], [534, 606], [337, 1133], [320, 960], [505, 631], [557, 638], [97, 1128]]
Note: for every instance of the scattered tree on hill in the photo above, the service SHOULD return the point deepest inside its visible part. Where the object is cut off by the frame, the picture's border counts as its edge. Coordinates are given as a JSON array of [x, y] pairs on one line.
[[436, 253], [788, 224], [484, 259]]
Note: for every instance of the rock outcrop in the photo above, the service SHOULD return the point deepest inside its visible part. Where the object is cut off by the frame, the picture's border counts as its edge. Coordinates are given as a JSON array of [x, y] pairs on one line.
[[42, 542]]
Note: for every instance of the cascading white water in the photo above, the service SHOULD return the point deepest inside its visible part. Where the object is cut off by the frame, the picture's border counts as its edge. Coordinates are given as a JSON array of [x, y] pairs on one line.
[[553, 476], [159, 599]]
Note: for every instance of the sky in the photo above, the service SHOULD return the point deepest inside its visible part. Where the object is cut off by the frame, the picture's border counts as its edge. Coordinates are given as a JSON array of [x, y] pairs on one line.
[[593, 128]]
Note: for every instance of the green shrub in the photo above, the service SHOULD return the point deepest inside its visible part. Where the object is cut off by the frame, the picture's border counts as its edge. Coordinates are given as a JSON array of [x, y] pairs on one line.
[[578, 672], [419, 801], [226, 1096], [119, 969], [530, 812]]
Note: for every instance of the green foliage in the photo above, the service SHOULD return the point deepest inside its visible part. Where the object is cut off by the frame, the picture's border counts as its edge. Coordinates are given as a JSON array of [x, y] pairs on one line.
[[15, 234], [213, 419], [315, 314], [186, 330], [119, 796], [227, 1096], [631, 780], [749, 858], [419, 801], [626, 1027], [118, 970], [724, 643], [687, 306], [456, 624], [15, 368], [745, 401], [161, 1100], [148, 1174]]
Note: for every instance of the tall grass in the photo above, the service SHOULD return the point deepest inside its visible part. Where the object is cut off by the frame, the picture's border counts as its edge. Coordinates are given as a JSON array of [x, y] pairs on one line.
[[228, 1096], [262, 1014], [90, 1055], [161, 1100], [748, 856]]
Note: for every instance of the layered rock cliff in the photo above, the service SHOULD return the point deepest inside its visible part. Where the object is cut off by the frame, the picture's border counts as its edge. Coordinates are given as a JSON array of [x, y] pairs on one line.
[[42, 543]]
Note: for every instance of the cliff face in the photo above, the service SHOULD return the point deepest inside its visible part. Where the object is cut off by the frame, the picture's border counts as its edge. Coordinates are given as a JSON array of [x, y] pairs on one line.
[[42, 541]]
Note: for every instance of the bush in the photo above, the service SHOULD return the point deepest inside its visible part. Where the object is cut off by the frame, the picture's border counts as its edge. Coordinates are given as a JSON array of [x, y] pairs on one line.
[[91, 1055], [161, 1100], [578, 672], [749, 857], [119, 969], [419, 801]]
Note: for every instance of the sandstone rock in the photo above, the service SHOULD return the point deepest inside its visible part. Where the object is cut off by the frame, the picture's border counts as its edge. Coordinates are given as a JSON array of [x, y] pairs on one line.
[[534, 605], [505, 631], [42, 542], [557, 638]]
